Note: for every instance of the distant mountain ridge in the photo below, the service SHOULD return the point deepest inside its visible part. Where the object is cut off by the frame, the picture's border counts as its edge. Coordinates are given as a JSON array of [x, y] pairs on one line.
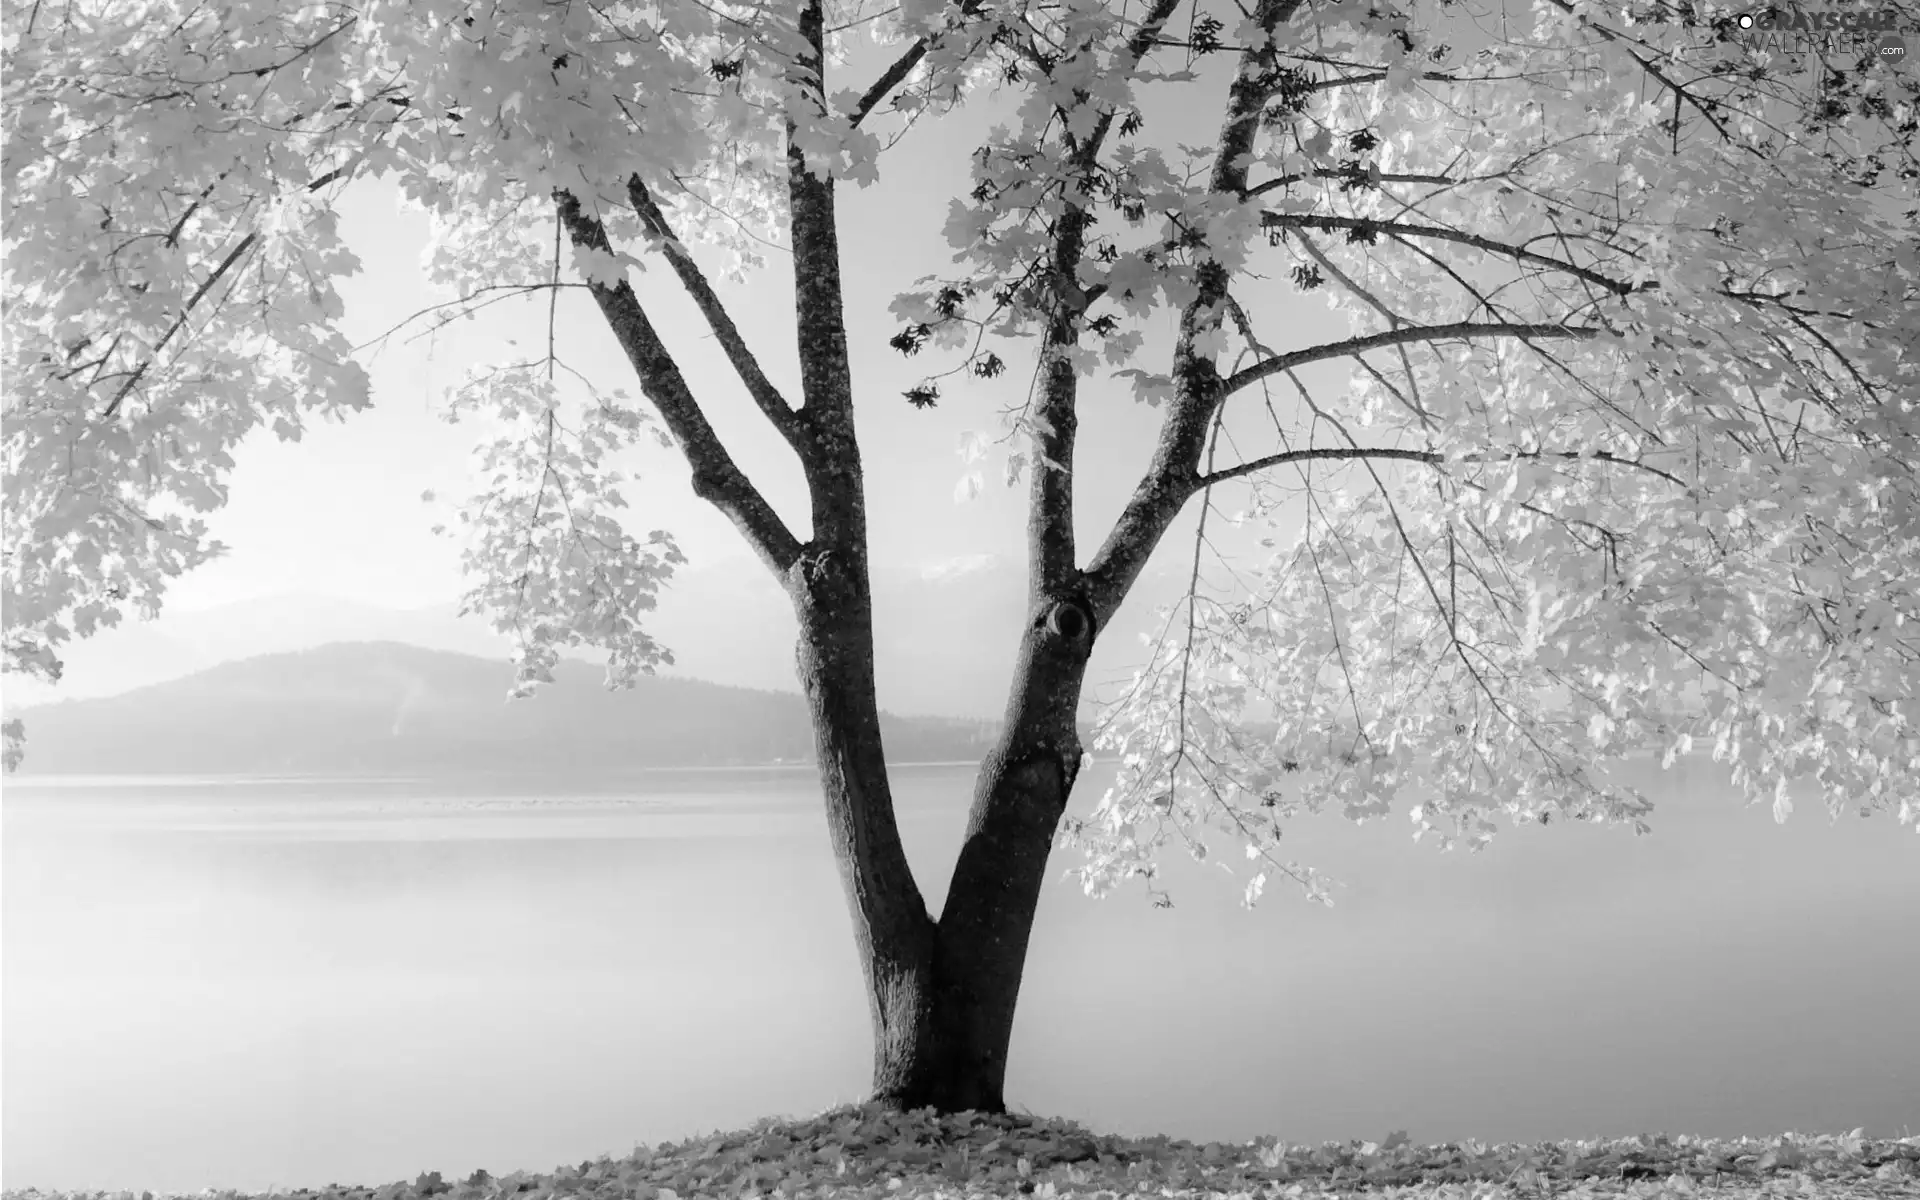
[[945, 634], [362, 707]]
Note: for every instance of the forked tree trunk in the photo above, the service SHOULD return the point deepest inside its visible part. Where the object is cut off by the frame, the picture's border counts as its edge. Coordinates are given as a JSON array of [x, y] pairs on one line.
[[941, 994]]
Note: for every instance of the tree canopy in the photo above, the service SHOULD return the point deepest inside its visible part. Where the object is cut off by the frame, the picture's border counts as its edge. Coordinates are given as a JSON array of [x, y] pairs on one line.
[[1626, 459]]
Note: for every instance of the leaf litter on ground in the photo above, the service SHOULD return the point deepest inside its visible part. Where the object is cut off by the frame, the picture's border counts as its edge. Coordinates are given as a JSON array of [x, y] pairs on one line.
[[866, 1150]]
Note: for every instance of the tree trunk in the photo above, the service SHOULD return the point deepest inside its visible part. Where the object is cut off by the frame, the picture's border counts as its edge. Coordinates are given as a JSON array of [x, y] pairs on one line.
[[834, 659], [941, 995]]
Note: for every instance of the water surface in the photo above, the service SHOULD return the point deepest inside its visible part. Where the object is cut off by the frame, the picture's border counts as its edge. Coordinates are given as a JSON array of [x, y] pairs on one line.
[[256, 983]]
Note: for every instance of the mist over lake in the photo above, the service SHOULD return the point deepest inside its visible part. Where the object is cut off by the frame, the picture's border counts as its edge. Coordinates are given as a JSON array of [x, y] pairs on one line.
[[250, 982]]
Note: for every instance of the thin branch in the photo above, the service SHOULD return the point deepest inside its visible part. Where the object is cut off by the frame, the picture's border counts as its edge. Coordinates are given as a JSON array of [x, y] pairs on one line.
[[514, 289], [902, 67], [179, 322], [1274, 220], [171, 239], [553, 302], [226, 264], [857, 22], [1280, 181], [1679, 92], [764, 393], [1395, 337], [1433, 458], [1394, 320], [716, 478], [1051, 549], [1186, 648], [1174, 473]]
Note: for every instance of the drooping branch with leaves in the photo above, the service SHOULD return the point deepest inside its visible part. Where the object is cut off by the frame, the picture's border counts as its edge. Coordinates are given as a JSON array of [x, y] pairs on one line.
[[1622, 461]]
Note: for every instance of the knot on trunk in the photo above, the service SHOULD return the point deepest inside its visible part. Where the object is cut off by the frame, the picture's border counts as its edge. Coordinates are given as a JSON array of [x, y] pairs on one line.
[[1070, 621], [817, 578]]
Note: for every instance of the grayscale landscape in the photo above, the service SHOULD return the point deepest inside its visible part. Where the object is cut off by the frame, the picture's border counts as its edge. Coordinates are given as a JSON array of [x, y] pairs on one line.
[[959, 599]]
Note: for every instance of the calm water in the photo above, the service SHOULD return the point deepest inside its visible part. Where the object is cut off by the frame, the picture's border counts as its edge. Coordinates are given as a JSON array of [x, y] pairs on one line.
[[259, 983]]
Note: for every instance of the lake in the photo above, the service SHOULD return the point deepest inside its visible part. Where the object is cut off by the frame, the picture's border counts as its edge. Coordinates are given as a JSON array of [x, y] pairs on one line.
[[283, 983]]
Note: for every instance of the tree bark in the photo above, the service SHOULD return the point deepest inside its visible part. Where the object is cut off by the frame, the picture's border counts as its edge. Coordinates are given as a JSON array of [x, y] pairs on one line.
[[980, 950], [941, 995], [892, 932]]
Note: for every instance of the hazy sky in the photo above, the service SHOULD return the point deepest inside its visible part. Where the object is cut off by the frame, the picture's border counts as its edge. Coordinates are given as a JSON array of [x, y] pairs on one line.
[[340, 512]]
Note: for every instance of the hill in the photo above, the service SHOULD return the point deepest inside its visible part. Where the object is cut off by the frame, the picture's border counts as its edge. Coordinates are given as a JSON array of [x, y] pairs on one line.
[[385, 707], [945, 634]]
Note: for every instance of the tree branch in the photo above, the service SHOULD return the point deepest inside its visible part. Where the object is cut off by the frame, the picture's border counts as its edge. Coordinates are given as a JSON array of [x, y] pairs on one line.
[[1280, 181], [1174, 472], [206, 285], [1137, 47], [1274, 220], [511, 290], [1051, 558], [903, 66], [179, 322], [716, 478], [1051, 555], [891, 77], [764, 393], [832, 458], [1431, 458], [1679, 92], [1396, 337]]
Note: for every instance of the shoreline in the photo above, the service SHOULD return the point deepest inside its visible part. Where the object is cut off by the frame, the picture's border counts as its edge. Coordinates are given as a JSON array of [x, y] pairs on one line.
[[77, 779]]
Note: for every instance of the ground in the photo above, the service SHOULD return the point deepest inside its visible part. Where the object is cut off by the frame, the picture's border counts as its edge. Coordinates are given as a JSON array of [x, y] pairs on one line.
[[853, 1151]]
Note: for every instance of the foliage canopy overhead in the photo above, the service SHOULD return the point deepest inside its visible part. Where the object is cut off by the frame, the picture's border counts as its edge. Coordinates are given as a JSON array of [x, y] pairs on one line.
[[1627, 458]]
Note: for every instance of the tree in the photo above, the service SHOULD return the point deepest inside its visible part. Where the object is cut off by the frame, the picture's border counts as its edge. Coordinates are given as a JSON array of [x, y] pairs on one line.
[[1625, 461]]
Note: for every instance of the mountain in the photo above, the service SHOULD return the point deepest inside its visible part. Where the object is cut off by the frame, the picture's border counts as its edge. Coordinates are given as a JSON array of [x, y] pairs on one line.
[[139, 653], [945, 632], [384, 707]]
